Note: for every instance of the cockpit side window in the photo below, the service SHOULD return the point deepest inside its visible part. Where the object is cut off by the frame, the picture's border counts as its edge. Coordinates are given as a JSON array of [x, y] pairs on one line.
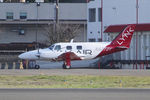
[[57, 47], [79, 47], [69, 47], [51, 47]]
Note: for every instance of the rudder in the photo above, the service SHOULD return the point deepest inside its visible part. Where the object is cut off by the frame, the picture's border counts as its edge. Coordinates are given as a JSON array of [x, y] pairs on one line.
[[124, 38]]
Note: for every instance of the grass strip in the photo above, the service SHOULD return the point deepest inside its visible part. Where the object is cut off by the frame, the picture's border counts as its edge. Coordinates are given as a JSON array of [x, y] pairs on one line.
[[74, 81]]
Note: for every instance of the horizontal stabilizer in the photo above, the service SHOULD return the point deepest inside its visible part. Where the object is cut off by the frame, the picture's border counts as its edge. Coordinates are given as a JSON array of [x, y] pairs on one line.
[[121, 47]]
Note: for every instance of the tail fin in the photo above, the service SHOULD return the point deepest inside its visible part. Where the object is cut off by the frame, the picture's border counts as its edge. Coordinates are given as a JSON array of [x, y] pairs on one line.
[[124, 38], [121, 42]]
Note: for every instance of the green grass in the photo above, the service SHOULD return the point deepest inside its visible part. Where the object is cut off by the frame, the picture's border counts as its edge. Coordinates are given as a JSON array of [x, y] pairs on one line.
[[72, 81]]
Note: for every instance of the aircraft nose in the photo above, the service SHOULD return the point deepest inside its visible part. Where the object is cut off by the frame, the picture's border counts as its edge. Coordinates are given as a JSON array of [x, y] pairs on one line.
[[22, 56], [30, 55]]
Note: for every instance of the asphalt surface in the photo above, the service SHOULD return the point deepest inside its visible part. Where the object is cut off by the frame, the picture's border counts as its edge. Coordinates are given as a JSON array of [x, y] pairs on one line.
[[74, 94], [99, 72]]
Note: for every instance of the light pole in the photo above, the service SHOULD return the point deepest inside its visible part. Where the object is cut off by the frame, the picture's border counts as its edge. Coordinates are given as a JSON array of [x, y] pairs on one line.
[[57, 11], [137, 11], [37, 17], [56, 14], [101, 20]]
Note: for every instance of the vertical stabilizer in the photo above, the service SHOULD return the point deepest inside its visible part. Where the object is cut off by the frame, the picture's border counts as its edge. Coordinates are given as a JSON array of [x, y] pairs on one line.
[[124, 38], [121, 42]]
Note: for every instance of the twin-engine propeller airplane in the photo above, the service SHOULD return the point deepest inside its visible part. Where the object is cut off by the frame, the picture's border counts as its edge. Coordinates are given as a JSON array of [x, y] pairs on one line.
[[81, 50]]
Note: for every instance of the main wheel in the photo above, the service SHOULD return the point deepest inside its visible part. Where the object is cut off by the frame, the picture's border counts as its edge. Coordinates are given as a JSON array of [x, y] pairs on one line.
[[37, 67], [66, 67]]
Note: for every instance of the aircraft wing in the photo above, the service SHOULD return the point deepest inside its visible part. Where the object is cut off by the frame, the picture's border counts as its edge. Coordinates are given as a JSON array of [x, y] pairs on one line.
[[68, 55]]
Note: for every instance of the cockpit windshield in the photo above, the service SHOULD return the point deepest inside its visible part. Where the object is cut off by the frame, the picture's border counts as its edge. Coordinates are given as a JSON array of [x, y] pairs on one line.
[[51, 47], [57, 47]]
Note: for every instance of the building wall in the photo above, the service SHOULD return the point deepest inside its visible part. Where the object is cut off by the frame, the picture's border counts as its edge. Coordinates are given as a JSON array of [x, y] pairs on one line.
[[119, 12], [73, 11], [94, 28], [10, 34], [69, 13], [144, 15]]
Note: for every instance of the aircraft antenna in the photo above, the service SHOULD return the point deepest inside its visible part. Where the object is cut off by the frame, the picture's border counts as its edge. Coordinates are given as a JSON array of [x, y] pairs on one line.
[[71, 41]]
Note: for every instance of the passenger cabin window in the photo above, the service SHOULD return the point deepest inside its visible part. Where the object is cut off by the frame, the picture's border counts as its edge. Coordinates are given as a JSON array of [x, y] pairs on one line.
[[57, 47], [69, 47], [79, 47]]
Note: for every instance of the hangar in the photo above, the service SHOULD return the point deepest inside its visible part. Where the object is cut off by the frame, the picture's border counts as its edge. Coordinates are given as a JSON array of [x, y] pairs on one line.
[[138, 55]]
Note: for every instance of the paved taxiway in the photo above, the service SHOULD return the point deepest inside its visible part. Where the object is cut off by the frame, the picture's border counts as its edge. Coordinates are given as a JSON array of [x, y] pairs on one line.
[[74, 94]]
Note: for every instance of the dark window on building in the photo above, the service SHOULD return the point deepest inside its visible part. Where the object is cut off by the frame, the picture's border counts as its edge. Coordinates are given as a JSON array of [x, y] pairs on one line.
[[99, 14], [57, 47], [9, 15], [69, 47], [92, 40], [31, 1], [23, 15], [12, 1], [92, 15], [79, 47]]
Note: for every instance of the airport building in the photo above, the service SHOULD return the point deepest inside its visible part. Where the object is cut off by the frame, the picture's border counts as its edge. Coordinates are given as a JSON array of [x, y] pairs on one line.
[[26, 23], [106, 19]]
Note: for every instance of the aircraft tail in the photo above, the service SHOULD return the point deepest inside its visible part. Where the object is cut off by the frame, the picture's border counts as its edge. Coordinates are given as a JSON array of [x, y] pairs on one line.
[[124, 38], [121, 42]]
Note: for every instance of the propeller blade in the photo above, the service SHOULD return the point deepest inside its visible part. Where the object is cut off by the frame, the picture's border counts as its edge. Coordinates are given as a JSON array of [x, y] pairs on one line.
[[38, 53]]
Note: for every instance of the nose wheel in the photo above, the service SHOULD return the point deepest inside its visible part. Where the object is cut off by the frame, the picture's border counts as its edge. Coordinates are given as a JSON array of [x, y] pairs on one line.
[[37, 66]]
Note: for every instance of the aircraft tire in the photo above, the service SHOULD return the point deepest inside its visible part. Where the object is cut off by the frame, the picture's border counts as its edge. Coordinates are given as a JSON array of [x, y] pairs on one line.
[[37, 67], [66, 67]]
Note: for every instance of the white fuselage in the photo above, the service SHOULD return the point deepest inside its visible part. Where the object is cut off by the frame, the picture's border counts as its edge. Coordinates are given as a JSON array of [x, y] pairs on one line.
[[84, 50]]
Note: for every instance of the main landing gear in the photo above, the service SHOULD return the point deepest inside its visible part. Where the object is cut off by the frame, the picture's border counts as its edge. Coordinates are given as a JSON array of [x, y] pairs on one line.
[[67, 62], [65, 66]]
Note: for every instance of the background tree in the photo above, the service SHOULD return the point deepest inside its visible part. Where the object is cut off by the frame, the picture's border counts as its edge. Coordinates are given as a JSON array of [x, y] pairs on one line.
[[61, 32]]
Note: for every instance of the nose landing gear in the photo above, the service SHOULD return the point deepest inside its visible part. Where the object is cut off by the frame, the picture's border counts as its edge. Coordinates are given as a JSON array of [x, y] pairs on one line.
[[37, 66]]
